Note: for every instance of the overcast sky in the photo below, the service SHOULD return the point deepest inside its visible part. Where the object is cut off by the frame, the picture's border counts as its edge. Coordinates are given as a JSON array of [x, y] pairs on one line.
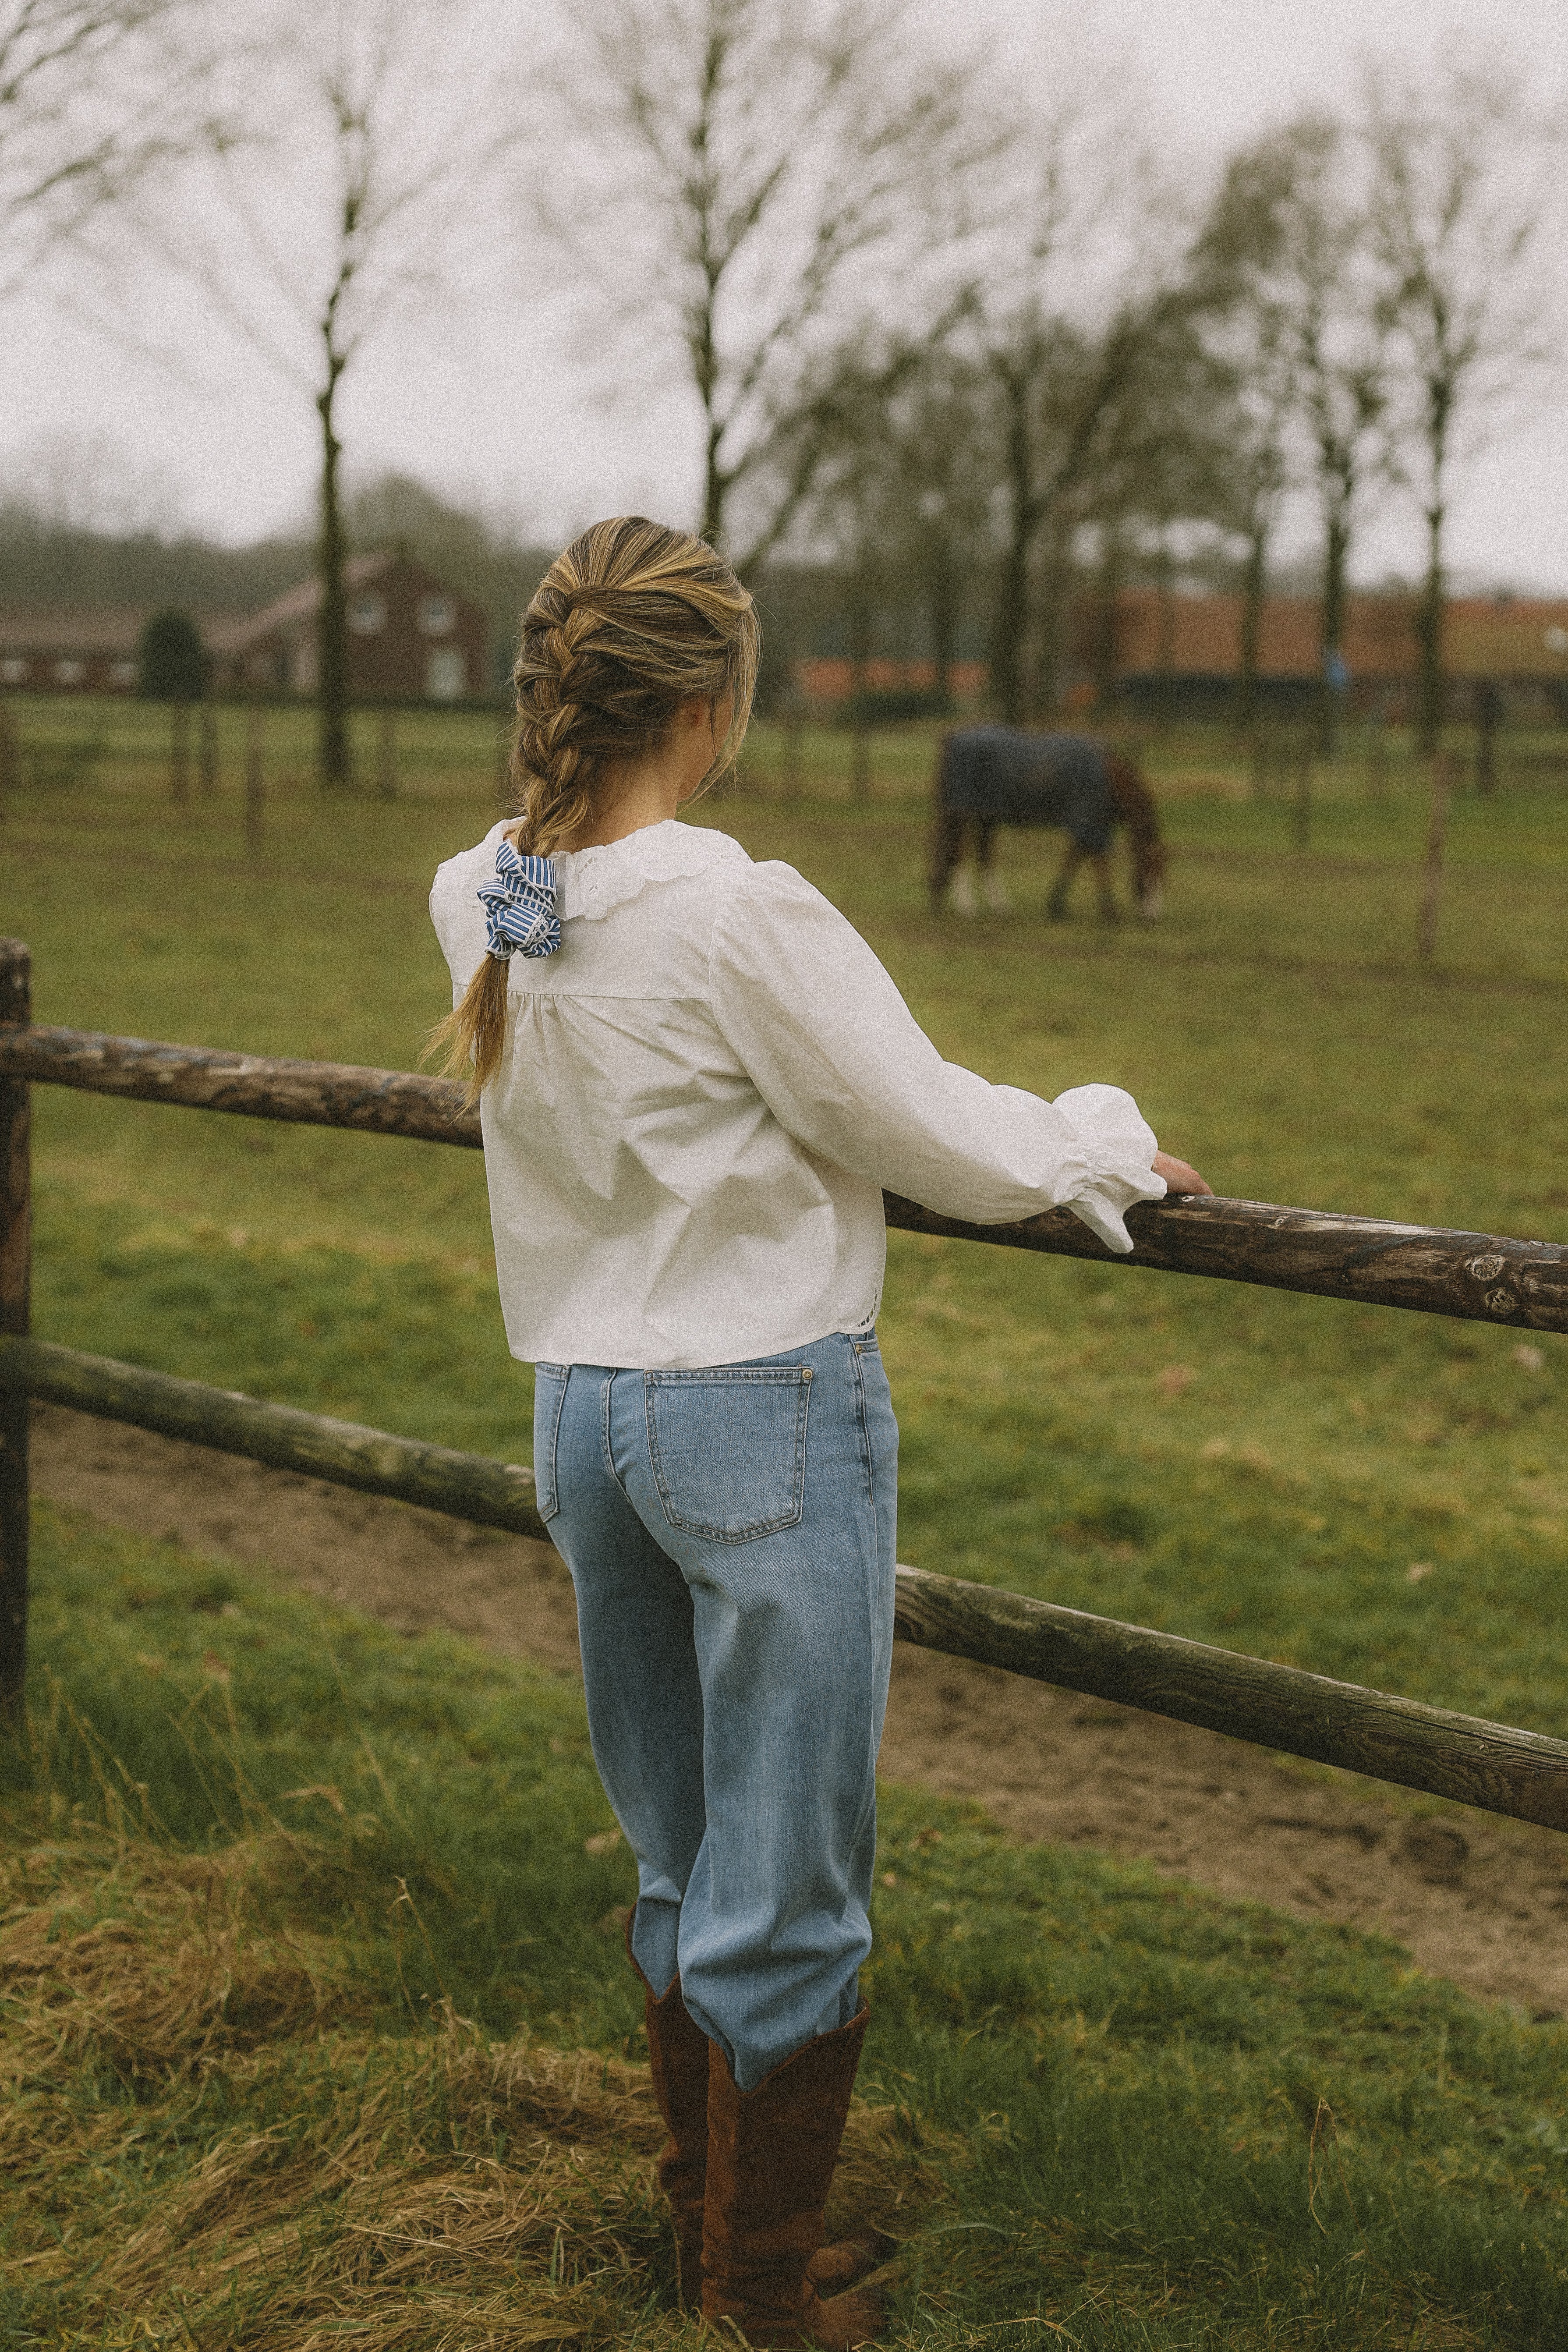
[[483, 403]]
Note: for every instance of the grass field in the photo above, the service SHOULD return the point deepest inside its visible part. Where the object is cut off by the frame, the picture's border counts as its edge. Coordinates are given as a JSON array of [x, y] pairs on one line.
[[299, 1918], [1257, 1469]]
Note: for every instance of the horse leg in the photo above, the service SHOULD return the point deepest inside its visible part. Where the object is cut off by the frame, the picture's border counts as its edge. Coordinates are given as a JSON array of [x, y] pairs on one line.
[[1109, 912], [966, 898], [1057, 904], [946, 849], [991, 882]]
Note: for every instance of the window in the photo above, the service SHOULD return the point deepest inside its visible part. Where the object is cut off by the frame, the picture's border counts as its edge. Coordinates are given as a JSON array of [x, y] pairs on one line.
[[1557, 641], [438, 617], [445, 674], [367, 614], [69, 673], [122, 673], [12, 670]]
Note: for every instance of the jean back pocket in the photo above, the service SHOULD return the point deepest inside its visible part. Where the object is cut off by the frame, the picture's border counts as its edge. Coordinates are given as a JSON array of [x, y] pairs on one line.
[[728, 1449]]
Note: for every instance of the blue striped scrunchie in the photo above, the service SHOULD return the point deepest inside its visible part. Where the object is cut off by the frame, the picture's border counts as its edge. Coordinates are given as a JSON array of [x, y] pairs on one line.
[[520, 906]]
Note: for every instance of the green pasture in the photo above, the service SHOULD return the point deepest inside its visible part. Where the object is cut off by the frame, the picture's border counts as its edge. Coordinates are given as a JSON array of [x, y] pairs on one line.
[[296, 1917], [1154, 2119], [1234, 1464]]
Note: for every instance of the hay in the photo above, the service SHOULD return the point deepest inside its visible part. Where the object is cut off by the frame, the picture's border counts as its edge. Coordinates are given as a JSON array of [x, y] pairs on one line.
[[270, 2172], [173, 1974]]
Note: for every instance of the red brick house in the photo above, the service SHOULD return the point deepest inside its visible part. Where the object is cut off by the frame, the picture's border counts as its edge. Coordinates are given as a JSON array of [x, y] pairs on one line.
[[70, 653], [1157, 639], [411, 637], [1520, 639]]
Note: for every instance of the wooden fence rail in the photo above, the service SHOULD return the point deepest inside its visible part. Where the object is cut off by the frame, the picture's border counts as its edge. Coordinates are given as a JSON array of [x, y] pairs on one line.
[[1389, 1738], [1481, 1278], [1478, 1276]]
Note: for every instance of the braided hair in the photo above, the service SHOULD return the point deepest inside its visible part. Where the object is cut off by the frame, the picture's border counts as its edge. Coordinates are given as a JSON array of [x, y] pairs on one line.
[[630, 622]]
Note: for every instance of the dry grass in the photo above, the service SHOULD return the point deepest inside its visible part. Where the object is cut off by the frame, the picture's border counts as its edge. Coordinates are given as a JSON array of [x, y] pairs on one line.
[[210, 2148]]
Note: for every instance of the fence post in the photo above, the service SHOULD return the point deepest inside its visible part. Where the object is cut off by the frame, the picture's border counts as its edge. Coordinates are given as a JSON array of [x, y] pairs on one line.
[[180, 754], [794, 724], [1256, 749], [253, 787], [860, 758], [206, 747], [15, 1269], [386, 756], [1488, 711], [1302, 819], [1432, 872], [1377, 758], [10, 754]]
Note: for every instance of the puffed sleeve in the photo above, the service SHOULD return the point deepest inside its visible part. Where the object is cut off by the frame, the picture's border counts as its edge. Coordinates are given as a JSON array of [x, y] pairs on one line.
[[844, 1066]]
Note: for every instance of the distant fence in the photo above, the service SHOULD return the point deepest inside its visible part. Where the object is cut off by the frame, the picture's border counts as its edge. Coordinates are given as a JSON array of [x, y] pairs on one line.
[[1478, 1277]]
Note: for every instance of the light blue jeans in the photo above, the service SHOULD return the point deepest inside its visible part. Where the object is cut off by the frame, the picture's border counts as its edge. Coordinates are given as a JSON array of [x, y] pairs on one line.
[[730, 1536]]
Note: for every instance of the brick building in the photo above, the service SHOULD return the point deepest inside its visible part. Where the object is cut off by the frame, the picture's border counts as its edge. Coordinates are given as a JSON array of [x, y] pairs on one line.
[[411, 637], [1519, 641], [70, 653], [1189, 647]]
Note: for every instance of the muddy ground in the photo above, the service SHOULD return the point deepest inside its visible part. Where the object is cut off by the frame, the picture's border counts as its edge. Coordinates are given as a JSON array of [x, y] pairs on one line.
[[1481, 1901]]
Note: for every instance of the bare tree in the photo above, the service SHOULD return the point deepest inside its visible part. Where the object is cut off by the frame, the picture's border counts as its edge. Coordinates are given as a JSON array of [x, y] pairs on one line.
[[746, 177], [1304, 250], [1091, 429], [1247, 327], [903, 496], [354, 202], [94, 96], [1457, 204], [1077, 283]]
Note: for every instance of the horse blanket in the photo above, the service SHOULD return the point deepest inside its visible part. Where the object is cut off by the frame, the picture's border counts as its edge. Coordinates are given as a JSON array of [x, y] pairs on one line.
[[1003, 775]]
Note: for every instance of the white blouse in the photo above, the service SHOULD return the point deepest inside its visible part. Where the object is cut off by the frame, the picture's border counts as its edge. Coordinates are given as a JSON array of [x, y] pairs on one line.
[[701, 1097]]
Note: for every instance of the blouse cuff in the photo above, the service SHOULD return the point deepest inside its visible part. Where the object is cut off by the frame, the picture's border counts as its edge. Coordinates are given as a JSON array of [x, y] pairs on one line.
[[1112, 1167]]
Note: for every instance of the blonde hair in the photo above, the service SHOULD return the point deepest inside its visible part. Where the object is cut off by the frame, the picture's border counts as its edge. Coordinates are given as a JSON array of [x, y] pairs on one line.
[[630, 622]]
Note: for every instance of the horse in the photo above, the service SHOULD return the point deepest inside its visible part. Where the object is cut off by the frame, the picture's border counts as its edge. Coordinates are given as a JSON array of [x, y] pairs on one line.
[[987, 776]]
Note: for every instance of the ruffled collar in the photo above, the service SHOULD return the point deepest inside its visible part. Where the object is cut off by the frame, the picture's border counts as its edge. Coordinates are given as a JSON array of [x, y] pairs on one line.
[[591, 882]]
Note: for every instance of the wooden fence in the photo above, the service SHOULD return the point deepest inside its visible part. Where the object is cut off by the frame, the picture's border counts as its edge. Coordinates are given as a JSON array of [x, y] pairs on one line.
[[1475, 1276]]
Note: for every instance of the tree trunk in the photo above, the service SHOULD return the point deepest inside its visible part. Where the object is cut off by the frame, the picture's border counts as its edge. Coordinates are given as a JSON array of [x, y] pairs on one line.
[[859, 633], [1431, 696], [1105, 650], [333, 618], [713, 489], [1051, 660], [1010, 620], [942, 617], [1254, 583], [1336, 553]]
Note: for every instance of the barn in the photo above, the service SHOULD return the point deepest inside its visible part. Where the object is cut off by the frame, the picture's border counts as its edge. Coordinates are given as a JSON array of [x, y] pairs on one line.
[[70, 653], [411, 637]]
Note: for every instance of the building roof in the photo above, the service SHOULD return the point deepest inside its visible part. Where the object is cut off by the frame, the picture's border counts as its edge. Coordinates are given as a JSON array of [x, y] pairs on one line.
[[25, 631], [301, 603]]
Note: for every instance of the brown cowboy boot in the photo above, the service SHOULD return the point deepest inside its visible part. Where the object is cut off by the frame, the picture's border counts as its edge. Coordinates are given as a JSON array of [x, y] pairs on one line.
[[677, 2054], [771, 2154]]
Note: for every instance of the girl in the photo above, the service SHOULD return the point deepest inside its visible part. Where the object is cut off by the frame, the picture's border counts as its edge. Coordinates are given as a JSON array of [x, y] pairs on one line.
[[695, 1080]]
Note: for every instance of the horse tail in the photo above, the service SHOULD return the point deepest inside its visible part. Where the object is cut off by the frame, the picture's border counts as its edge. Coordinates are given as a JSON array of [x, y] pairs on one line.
[[1137, 809], [946, 828]]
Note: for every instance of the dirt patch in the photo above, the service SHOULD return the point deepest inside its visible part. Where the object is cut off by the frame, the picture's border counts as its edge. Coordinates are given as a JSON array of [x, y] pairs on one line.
[[1481, 1901]]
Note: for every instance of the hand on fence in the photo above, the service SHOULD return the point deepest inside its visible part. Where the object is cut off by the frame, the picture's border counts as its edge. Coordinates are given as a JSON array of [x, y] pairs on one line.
[[1178, 1177]]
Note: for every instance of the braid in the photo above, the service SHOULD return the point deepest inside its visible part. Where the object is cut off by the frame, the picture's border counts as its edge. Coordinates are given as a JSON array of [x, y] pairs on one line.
[[630, 622]]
